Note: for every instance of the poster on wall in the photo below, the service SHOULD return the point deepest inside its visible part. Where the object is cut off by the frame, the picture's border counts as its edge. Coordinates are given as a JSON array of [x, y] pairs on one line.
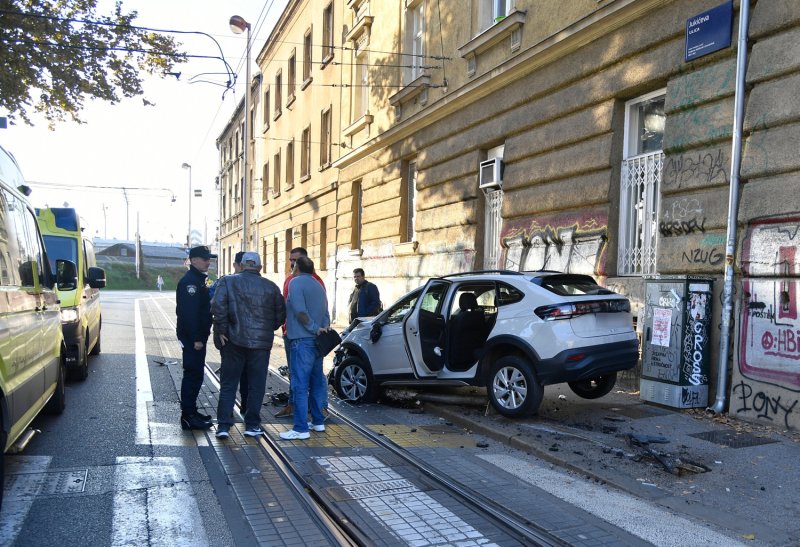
[[662, 326]]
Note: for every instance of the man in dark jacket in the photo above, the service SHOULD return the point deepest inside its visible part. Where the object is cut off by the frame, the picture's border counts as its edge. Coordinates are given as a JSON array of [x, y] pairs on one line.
[[194, 326], [365, 300], [246, 310]]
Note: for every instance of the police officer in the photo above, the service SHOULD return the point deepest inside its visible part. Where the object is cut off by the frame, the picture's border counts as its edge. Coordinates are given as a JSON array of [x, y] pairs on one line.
[[194, 327]]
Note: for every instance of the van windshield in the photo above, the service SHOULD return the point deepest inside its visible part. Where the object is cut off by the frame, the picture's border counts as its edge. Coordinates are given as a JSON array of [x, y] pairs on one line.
[[64, 248]]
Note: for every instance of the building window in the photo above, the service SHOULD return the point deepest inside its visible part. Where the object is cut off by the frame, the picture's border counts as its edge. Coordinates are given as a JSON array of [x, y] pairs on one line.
[[415, 41], [278, 94], [304, 235], [305, 153], [287, 245], [356, 205], [275, 254], [325, 138], [290, 164], [642, 164], [266, 109], [307, 56], [408, 202], [264, 251], [291, 77], [327, 34], [276, 174], [492, 12], [360, 87], [265, 182]]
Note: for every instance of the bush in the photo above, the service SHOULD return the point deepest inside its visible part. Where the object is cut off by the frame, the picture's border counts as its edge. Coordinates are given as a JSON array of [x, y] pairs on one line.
[[122, 277]]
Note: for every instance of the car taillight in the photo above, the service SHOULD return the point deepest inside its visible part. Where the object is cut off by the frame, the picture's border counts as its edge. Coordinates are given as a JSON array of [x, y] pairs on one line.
[[568, 311]]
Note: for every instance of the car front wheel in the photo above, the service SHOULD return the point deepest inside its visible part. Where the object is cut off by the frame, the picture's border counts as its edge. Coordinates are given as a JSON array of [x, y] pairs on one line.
[[513, 390], [354, 382], [594, 388]]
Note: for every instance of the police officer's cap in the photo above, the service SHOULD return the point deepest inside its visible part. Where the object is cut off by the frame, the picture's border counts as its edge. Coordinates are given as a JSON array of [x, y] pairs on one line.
[[201, 252]]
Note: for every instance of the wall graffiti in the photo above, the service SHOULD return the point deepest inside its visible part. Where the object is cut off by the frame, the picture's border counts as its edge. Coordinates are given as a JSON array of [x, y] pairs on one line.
[[712, 257], [682, 227], [707, 167], [682, 216], [766, 406], [769, 337], [574, 243]]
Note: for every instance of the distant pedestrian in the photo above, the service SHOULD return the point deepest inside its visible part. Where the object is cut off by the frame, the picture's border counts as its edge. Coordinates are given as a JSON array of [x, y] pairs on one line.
[[365, 300], [294, 254], [306, 317], [193, 311], [247, 309], [160, 283]]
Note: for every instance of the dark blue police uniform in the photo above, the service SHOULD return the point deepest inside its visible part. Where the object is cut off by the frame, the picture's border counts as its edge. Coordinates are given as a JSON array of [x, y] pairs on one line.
[[193, 309]]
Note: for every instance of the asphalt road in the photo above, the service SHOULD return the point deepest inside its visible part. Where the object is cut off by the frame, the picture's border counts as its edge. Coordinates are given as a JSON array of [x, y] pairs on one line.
[[91, 475]]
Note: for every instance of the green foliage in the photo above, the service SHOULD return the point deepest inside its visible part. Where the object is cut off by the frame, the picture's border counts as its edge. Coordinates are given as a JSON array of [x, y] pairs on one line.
[[122, 277], [58, 53]]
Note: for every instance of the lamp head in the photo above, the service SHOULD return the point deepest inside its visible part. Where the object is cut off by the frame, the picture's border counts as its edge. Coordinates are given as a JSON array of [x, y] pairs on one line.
[[186, 166], [238, 24]]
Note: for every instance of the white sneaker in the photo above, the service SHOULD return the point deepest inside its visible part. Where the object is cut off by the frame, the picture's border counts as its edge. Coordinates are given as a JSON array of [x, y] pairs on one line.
[[223, 432], [292, 435], [254, 431], [312, 427]]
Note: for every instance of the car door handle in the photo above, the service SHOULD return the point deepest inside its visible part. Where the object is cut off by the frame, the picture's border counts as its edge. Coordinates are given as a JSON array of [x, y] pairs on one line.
[[412, 331]]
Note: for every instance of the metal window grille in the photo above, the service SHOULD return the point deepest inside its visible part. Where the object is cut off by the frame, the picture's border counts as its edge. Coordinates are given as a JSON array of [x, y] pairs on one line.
[[641, 178]]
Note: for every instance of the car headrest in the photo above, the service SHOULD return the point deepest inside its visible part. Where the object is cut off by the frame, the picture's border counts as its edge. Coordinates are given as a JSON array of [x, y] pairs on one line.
[[467, 301]]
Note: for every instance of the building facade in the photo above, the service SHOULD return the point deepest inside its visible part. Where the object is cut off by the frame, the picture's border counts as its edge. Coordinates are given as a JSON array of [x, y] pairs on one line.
[[573, 136]]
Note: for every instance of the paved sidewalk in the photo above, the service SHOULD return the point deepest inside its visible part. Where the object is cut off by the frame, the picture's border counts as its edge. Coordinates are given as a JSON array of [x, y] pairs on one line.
[[739, 476]]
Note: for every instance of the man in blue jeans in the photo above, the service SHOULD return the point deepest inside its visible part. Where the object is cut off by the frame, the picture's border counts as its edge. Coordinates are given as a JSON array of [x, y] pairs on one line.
[[306, 317]]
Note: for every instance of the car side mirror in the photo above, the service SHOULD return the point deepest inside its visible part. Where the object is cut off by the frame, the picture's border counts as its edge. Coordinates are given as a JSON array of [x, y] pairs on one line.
[[97, 277], [66, 275]]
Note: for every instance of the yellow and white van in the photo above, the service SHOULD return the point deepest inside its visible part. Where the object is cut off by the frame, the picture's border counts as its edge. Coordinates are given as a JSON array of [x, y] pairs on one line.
[[80, 306], [32, 349]]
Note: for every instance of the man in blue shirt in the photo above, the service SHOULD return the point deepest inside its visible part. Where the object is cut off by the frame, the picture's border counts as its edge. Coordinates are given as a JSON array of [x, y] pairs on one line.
[[365, 300], [306, 317]]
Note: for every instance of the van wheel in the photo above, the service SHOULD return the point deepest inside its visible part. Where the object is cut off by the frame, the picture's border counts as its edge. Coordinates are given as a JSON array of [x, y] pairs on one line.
[[513, 389], [594, 388], [96, 348], [81, 372], [354, 382], [58, 401]]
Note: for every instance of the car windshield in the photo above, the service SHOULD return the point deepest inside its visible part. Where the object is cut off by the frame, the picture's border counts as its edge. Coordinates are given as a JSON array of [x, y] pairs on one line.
[[63, 248], [571, 285]]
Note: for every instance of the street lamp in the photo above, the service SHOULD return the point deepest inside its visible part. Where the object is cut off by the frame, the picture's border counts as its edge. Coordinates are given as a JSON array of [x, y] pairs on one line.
[[189, 233], [238, 26]]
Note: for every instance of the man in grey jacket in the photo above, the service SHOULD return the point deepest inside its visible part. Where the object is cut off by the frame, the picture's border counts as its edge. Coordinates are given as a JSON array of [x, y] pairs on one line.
[[246, 310]]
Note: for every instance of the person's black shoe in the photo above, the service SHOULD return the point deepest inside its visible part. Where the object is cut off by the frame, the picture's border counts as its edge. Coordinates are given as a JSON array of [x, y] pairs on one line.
[[194, 422], [204, 417]]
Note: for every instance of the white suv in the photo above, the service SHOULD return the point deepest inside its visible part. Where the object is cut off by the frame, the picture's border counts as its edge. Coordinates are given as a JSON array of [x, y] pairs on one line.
[[513, 332]]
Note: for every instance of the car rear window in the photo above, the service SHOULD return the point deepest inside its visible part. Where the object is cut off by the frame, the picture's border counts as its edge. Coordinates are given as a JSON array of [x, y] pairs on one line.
[[571, 285]]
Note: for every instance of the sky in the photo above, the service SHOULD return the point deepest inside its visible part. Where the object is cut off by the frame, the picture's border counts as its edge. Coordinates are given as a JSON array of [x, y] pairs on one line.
[[143, 147]]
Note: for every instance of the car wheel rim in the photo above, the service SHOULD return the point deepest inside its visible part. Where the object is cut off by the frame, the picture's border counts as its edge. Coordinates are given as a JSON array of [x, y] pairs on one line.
[[510, 388], [354, 382]]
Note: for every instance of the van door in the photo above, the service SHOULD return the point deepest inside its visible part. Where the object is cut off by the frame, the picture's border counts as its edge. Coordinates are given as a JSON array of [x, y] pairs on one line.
[[91, 296]]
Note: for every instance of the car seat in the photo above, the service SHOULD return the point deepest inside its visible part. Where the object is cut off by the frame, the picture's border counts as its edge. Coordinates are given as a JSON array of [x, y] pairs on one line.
[[466, 333]]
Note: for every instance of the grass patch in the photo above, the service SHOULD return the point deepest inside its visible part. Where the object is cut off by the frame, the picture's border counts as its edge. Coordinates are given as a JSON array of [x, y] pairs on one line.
[[122, 277]]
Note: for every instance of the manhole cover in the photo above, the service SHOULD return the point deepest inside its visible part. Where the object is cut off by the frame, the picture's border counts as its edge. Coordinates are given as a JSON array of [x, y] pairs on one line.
[[733, 440], [29, 485], [372, 489]]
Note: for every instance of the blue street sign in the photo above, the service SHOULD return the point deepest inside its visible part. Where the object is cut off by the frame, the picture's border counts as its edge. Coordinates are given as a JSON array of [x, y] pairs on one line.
[[709, 31]]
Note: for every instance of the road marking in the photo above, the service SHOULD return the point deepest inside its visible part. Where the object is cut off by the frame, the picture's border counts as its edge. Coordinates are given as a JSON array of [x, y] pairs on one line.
[[144, 390], [414, 517], [640, 518], [19, 495], [154, 504]]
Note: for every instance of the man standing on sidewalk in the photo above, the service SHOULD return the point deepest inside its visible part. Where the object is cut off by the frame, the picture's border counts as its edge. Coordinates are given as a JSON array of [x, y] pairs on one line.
[[294, 254], [247, 308], [193, 327], [306, 317], [365, 300]]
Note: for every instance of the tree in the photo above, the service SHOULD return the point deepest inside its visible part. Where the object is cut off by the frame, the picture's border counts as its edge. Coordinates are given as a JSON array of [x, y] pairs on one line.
[[58, 53]]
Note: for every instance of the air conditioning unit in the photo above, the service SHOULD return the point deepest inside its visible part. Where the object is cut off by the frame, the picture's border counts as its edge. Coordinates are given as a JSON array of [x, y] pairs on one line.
[[491, 174]]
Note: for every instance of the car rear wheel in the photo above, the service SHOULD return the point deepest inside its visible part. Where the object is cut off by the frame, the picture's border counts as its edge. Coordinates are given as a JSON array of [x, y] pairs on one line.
[[96, 348], [354, 381], [513, 390], [81, 372], [594, 388]]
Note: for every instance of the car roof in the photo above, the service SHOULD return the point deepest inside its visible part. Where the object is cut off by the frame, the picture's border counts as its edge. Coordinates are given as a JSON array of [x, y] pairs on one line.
[[495, 275]]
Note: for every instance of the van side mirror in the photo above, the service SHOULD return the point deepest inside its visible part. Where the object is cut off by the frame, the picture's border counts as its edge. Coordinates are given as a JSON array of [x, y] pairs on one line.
[[97, 277], [66, 275]]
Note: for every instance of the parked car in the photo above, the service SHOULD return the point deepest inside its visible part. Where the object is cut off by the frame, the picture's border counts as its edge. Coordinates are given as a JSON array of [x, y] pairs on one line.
[[513, 332], [81, 319], [32, 349]]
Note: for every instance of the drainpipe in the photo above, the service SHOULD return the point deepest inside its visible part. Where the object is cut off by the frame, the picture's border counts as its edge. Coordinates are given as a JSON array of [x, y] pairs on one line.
[[733, 208]]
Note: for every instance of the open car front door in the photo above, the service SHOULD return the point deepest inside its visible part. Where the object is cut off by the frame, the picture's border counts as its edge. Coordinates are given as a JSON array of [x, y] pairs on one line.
[[425, 329]]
